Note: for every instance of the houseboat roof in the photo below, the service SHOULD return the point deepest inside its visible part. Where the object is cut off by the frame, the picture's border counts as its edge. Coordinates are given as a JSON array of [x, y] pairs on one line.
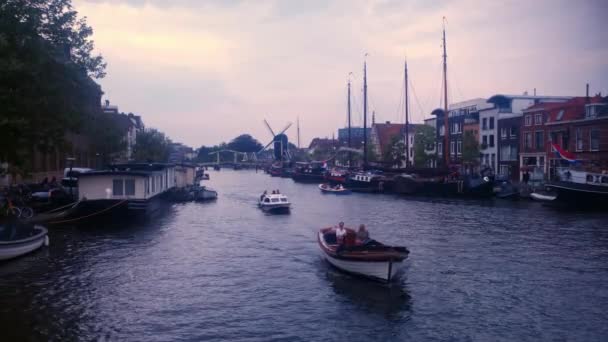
[[141, 166], [115, 173]]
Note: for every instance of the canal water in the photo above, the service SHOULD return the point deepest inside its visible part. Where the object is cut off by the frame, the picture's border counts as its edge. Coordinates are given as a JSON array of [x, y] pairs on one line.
[[479, 271]]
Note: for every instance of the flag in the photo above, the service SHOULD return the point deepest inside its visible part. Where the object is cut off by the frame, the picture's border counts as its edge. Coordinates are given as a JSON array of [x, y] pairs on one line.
[[560, 152]]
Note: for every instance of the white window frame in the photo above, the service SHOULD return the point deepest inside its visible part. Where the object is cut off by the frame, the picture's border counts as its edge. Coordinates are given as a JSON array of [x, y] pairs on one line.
[[591, 148], [459, 147], [538, 119], [579, 138], [528, 120], [503, 133]]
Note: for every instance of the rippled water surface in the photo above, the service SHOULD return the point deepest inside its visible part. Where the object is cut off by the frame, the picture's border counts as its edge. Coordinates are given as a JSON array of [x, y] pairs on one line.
[[482, 271]]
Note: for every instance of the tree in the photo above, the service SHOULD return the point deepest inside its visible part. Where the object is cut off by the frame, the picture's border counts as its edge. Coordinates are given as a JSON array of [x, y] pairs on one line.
[[470, 148], [424, 139], [46, 63], [151, 145], [394, 155], [105, 137], [245, 143]]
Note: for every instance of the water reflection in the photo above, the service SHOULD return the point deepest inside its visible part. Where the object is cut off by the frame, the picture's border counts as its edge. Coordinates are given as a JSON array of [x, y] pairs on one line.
[[392, 301]]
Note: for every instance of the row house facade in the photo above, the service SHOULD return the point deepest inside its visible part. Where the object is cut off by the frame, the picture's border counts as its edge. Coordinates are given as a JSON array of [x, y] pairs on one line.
[[579, 125], [461, 114], [506, 107]]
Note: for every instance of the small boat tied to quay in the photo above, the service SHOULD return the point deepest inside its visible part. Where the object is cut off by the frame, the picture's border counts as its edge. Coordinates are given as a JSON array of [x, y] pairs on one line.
[[337, 190], [274, 203], [18, 238], [372, 260]]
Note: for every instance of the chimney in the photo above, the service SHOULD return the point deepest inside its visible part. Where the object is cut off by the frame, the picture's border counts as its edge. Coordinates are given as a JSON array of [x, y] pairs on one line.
[[534, 91], [587, 92]]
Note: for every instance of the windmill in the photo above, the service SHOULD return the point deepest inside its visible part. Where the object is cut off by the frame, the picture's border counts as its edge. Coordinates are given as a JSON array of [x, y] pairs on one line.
[[280, 143]]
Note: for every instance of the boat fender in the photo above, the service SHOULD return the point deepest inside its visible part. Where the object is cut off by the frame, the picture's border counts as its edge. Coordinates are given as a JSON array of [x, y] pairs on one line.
[[46, 241], [486, 179]]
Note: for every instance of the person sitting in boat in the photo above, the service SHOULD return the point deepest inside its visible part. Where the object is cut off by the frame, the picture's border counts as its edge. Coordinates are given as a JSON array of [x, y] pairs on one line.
[[274, 192], [278, 192], [263, 195], [362, 235], [340, 235]]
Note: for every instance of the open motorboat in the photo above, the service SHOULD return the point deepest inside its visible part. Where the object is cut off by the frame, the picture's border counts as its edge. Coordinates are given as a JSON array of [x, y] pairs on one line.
[[372, 260], [17, 239], [337, 190], [274, 203], [542, 197]]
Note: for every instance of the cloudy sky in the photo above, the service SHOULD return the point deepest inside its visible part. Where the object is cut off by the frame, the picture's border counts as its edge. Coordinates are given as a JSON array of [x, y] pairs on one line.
[[205, 71]]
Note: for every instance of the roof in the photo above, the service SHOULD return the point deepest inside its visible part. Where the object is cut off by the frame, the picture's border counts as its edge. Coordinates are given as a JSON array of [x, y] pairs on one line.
[[114, 173], [323, 142], [503, 97], [386, 132], [573, 109]]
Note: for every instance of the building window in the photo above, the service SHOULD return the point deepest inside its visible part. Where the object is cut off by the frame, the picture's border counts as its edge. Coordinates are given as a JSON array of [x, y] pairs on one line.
[[459, 147], [539, 140], [441, 130], [528, 140], [594, 139], [147, 187], [503, 133], [130, 187], [504, 170], [440, 149], [508, 153], [484, 140], [484, 123], [528, 120], [538, 119], [513, 131], [579, 139], [491, 122], [491, 140], [117, 187], [452, 151], [153, 181]]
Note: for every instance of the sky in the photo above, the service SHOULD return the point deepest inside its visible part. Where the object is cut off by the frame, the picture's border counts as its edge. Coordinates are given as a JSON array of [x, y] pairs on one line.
[[204, 72]]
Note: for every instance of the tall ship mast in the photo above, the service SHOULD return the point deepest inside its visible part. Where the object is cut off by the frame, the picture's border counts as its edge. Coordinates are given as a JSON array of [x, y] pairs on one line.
[[407, 122], [446, 146], [365, 114]]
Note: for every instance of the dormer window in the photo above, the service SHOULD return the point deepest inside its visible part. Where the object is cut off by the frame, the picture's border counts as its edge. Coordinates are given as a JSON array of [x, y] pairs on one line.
[[560, 115], [592, 110]]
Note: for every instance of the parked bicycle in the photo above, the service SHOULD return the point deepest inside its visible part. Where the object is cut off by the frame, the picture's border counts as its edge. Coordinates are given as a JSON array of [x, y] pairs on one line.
[[16, 208]]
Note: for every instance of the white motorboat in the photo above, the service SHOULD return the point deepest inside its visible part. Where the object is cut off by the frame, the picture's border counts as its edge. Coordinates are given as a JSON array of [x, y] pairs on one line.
[[18, 241], [373, 260], [542, 197], [274, 203]]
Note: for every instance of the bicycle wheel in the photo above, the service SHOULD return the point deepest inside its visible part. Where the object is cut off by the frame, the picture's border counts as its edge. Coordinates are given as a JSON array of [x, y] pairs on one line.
[[14, 211], [26, 212]]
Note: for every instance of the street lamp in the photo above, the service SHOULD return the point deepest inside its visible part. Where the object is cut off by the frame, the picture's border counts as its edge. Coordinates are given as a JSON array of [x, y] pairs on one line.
[[70, 161]]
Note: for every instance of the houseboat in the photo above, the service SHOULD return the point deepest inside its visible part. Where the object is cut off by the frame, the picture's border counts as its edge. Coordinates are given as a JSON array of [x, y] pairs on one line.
[[313, 172], [128, 190], [368, 181], [336, 176], [580, 188]]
